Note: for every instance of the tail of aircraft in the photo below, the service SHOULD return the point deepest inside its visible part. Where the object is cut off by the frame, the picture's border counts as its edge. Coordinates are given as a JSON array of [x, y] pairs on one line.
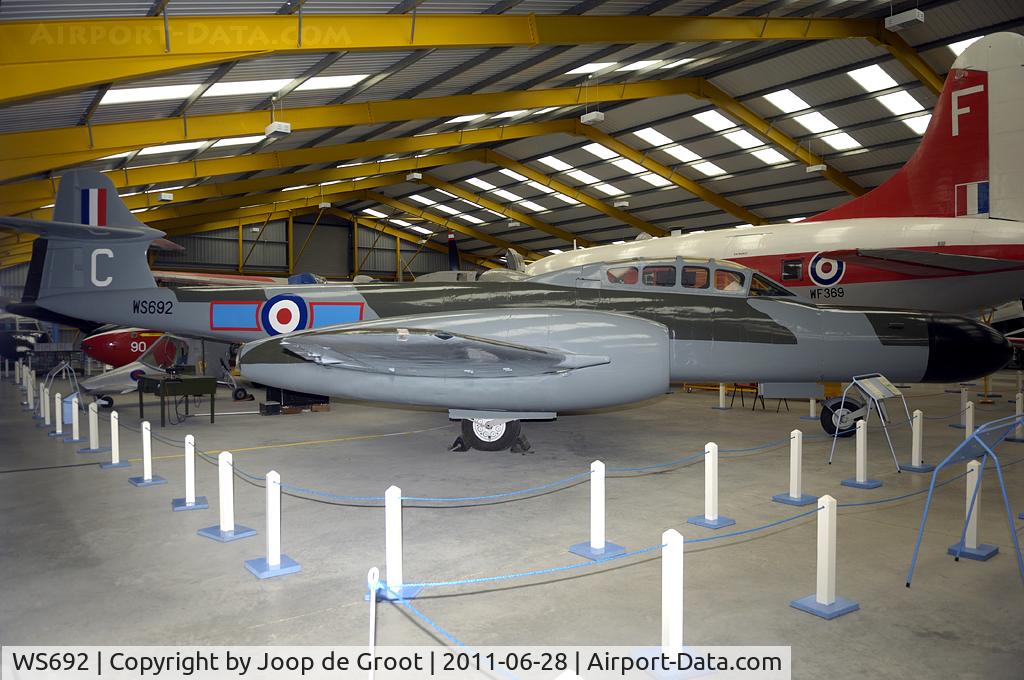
[[971, 160]]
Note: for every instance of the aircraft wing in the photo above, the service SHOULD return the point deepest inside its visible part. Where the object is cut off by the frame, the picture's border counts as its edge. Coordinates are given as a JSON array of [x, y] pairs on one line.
[[923, 262], [431, 354]]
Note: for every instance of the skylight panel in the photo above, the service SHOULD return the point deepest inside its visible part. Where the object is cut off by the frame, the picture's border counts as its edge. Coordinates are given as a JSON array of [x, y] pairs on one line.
[[900, 102], [609, 189], [600, 150], [708, 168], [507, 195], [592, 67], [130, 95], [652, 137], [872, 78], [617, 243], [480, 184], [556, 251], [465, 119], [566, 199], [655, 180], [743, 139], [471, 219], [446, 193], [841, 141], [422, 199], [510, 114], [918, 123], [446, 209], [472, 204], [299, 186], [681, 153], [112, 156], [714, 120], [769, 156], [373, 213], [238, 141], [171, 148], [638, 65], [674, 64], [794, 220], [513, 174], [959, 47], [401, 223], [554, 163], [530, 205], [629, 166], [331, 82], [583, 176], [540, 187], [815, 122], [786, 101], [421, 230], [246, 87], [546, 109]]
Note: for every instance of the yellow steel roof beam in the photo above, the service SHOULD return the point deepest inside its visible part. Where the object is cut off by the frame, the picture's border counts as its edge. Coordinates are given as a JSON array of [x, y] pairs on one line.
[[44, 57]]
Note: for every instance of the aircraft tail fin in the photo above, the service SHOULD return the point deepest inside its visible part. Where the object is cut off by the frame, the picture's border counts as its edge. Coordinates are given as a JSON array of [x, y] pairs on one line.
[[971, 160]]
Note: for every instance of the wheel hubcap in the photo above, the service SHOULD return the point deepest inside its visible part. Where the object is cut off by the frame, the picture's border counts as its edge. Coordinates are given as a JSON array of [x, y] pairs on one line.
[[841, 419], [489, 430]]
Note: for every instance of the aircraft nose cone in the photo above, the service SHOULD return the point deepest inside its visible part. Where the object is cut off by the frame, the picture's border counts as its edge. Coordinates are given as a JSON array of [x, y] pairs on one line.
[[960, 349]]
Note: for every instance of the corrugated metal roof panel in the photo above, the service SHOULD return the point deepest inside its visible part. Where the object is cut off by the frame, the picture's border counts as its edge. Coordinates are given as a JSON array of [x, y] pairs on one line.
[[24, 10], [60, 111]]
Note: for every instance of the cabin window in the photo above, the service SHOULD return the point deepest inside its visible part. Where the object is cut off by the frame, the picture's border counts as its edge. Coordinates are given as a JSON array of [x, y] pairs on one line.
[[624, 275], [792, 270], [728, 281], [695, 277], [660, 275], [762, 287]]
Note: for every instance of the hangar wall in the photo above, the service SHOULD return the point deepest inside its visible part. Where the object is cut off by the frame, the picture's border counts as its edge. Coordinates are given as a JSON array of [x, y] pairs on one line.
[[328, 251], [219, 249], [12, 281], [377, 255]]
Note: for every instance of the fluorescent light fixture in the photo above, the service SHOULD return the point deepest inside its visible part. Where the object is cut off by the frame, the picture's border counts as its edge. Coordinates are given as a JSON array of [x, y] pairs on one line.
[[331, 82], [171, 148], [540, 187], [794, 220], [609, 189], [556, 251], [629, 166], [421, 230], [652, 137], [918, 123], [900, 102], [328, 183], [530, 205], [510, 114], [507, 195], [815, 122], [959, 47], [714, 120], [299, 186], [676, 63], [130, 95], [246, 87], [238, 141], [638, 65], [743, 139], [592, 67], [446, 209], [546, 109], [600, 150], [566, 199], [479, 183], [681, 153], [655, 180], [465, 119], [136, 210], [401, 223], [471, 219], [422, 199], [841, 141], [554, 163], [786, 101], [708, 168], [769, 156], [513, 174], [583, 176], [872, 78], [372, 212]]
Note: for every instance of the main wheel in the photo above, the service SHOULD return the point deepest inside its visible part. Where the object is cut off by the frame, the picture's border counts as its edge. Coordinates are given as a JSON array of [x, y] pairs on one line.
[[239, 394], [837, 415], [490, 435]]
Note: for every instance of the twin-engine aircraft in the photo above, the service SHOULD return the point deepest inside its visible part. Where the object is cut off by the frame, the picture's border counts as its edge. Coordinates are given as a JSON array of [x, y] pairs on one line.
[[496, 353]]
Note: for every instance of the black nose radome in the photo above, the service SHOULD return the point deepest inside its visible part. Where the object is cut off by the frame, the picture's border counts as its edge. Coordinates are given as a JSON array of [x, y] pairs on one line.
[[960, 349]]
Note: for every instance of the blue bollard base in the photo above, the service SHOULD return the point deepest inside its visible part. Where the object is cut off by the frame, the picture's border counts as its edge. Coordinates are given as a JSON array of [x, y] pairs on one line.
[[809, 418], [141, 481], [721, 408], [179, 504], [828, 612], [102, 449], [72, 440], [806, 499], [702, 521], [982, 553], [261, 570], [54, 433], [584, 550], [923, 467], [216, 534], [957, 426], [112, 466], [867, 484], [388, 594]]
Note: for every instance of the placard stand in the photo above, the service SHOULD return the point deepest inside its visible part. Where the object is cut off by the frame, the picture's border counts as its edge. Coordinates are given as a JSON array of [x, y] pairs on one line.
[[876, 388]]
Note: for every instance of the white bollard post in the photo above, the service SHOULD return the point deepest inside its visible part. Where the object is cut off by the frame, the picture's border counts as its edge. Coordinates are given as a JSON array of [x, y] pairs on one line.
[[970, 548], [796, 496], [76, 432], [45, 399], [275, 563], [598, 548], [672, 551], [824, 602], [58, 418], [372, 587], [147, 478], [115, 445], [226, 530], [17, 372], [30, 395], [721, 398], [861, 481], [710, 519], [1018, 432], [963, 409], [1020, 381], [94, 431], [969, 421], [394, 586], [190, 501], [917, 463], [37, 404]]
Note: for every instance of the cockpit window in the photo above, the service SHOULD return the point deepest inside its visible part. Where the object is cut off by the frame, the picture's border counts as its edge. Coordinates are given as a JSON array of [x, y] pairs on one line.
[[660, 275], [728, 281], [625, 275], [695, 277], [760, 286]]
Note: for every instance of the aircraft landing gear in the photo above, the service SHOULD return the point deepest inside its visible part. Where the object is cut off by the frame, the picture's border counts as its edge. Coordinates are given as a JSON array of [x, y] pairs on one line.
[[105, 401], [836, 415], [488, 434]]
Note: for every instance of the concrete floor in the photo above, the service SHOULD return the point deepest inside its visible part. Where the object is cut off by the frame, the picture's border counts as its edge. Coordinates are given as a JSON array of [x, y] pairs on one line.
[[88, 559]]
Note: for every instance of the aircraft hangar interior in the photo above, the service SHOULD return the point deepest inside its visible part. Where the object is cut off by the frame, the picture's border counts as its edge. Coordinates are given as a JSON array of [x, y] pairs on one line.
[[511, 339]]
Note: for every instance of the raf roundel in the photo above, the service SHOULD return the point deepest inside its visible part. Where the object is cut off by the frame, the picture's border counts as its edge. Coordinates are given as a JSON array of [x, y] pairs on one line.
[[826, 272], [284, 314]]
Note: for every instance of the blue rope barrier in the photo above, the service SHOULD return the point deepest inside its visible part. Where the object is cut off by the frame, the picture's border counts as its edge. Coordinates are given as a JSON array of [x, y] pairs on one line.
[[422, 617]]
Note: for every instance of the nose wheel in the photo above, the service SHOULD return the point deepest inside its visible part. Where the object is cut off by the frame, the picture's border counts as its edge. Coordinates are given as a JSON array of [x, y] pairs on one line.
[[839, 418], [489, 434]]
